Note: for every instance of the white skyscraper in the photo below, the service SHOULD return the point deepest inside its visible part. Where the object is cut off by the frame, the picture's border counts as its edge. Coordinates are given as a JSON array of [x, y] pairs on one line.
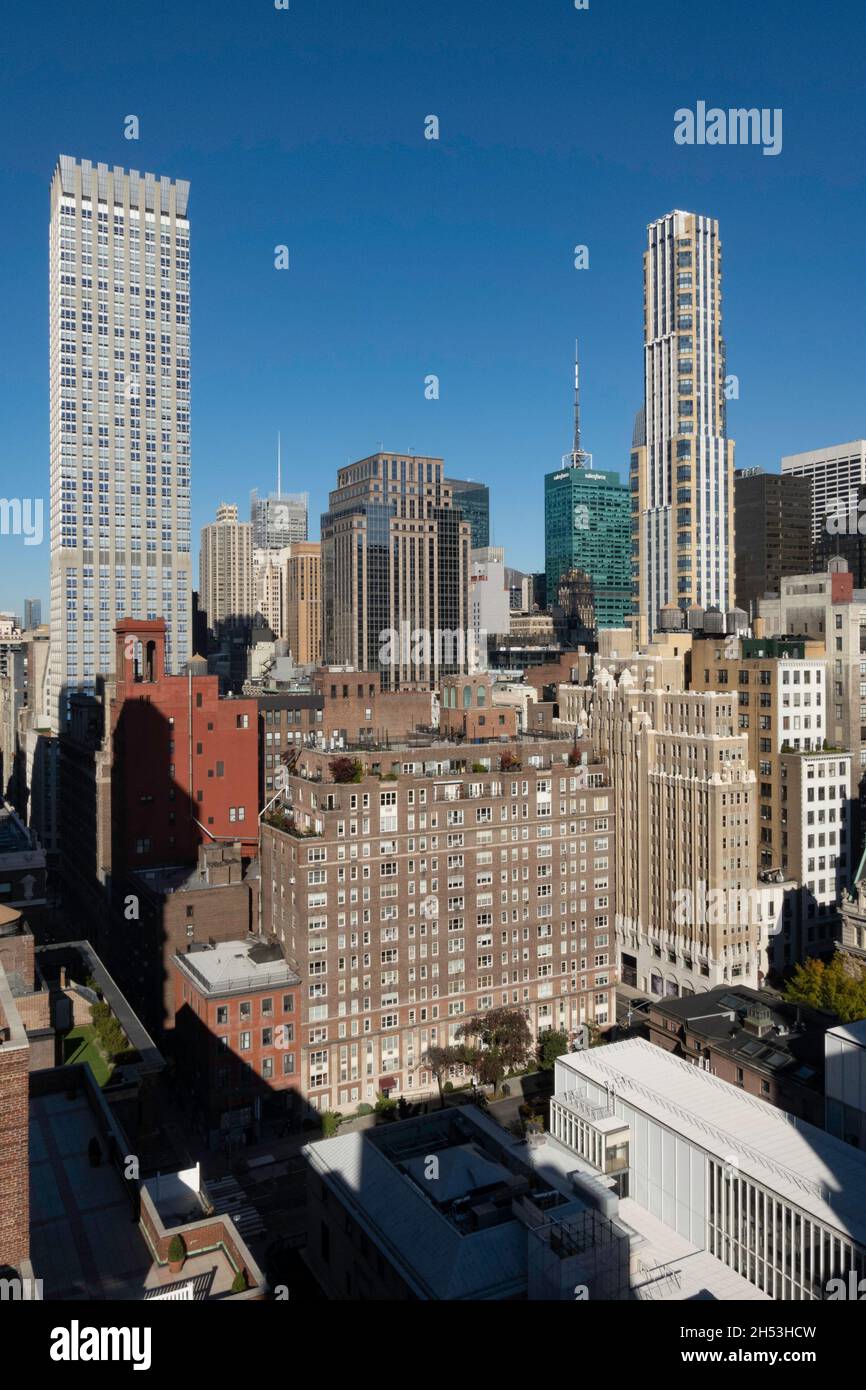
[[682, 462], [837, 475], [120, 416]]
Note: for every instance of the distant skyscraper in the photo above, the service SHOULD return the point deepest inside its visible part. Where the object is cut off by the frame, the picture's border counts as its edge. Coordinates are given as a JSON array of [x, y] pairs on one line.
[[587, 528], [395, 571], [226, 570], [281, 517], [489, 597], [773, 529], [473, 500], [32, 613], [682, 463], [119, 440], [837, 474]]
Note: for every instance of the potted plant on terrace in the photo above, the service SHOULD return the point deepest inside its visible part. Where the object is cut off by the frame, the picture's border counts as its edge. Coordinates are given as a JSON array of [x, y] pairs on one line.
[[176, 1254]]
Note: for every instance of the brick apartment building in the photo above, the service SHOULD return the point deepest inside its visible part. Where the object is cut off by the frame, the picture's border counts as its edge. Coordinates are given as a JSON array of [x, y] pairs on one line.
[[356, 710], [181, 909], [14, 1141], [236, 1007], [754, 1040], [444, 882], [184, 760], [343, 707]]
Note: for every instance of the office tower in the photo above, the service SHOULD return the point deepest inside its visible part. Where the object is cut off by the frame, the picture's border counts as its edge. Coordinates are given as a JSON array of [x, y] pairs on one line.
[[226, 570], [837, 474], [473, 500], [773, 529], [32, 613], [395, 571], [304, 602], [436, 951], [682, 462], [587, 527], [120, 416]]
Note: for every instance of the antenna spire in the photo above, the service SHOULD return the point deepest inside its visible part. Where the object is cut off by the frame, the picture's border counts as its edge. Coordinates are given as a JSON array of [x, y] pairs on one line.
[[576, 401], [279, 465], [578, 458]]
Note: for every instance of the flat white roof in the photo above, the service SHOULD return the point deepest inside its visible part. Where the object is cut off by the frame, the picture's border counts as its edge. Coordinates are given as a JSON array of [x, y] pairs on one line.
[[229, 963], [815, 1171], [851, 1032]]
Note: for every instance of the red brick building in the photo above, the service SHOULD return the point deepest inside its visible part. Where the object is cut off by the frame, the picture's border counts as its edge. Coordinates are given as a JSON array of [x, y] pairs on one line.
[[182, 909], [468, 710], [14, 1143], [237, 1024], [356, 710], [184, 761]]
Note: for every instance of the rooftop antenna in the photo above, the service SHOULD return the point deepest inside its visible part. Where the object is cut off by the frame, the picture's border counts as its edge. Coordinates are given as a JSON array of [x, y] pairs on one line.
[[279, 465], [578, 458]]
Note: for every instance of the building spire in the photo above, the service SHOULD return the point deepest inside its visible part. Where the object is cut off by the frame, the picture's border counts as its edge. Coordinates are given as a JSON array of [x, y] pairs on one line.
[[577, 458], [576, 401], [279, 466]]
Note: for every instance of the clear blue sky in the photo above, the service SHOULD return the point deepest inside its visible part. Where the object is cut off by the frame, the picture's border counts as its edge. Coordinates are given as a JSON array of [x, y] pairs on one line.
[[411, 257]]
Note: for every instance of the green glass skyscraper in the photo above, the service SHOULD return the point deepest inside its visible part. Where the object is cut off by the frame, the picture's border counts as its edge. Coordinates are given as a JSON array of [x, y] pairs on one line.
[[587, 526]]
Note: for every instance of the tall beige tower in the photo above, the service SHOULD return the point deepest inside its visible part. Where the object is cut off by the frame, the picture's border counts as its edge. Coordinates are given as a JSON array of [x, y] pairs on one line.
[[226, 577], [686, 855], [682, 462], [120, 416], [304, 602]]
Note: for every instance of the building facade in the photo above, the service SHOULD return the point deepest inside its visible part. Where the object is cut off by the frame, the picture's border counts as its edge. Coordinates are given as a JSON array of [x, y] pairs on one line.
[[803, 799], [686, 852], [119, 313]]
